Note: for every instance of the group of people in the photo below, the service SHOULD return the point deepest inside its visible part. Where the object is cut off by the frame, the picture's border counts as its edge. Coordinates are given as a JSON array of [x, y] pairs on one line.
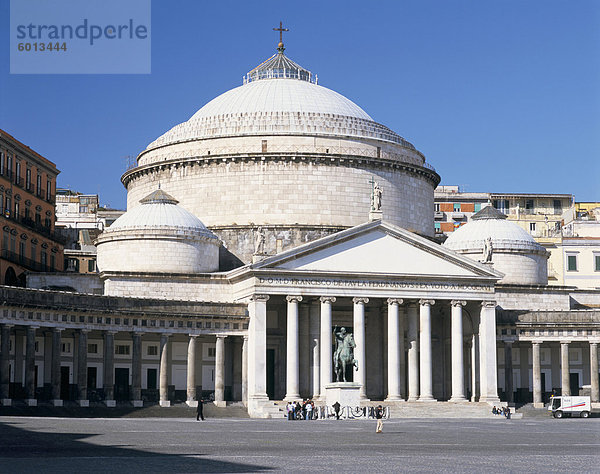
[[301, 411], [505, 411]]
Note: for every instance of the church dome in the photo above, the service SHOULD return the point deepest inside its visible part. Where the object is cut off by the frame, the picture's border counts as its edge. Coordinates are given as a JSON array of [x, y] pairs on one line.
[[515, 253], [158, 236]]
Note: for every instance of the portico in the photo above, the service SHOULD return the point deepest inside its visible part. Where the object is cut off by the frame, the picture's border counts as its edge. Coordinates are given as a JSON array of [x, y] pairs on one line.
[[395, 313]]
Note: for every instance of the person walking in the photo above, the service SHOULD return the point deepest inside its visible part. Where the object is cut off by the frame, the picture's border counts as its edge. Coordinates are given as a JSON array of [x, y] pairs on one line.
[[379, 416], [200, 410], [336, 409]]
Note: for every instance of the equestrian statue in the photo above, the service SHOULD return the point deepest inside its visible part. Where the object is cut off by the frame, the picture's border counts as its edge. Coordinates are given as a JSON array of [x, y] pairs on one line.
[[344, 353]]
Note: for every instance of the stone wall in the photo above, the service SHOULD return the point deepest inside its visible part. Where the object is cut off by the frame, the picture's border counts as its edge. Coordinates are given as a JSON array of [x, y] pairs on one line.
[[89, 283], [533, 298], [320, 191]]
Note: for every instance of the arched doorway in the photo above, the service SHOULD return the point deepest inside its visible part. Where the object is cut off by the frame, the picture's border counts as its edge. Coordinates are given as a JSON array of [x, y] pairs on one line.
[[10, 277]]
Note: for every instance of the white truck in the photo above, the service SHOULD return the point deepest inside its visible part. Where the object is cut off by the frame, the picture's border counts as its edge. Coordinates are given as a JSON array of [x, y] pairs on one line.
[[569, 406]]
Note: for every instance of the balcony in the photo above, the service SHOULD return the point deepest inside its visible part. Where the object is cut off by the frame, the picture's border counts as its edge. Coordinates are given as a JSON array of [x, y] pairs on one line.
[[35, 226], [24, 261], [438, 215], [458, 215]]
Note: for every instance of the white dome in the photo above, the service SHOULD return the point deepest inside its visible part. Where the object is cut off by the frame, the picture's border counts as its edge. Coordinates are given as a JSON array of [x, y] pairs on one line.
[[501, 231], [158, 210], [281, 95]]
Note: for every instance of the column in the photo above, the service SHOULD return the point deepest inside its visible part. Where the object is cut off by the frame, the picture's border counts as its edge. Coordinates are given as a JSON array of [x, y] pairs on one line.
[[537, 376], [474, 367], [488, 375], [594, 371], [395, 347], [136, 371], [30, 367], [304, 350], [413, 353], [325, 343], [191, 372], [565, 389], [55, 368], [5, 365], [425, 368], [220, 371], [508, 372], [315, 354], [360, 341], [257, 354], [109, 369], [82, 396], [164, 371], [236, 369], [245, 370], [458, 367], [292, 349]]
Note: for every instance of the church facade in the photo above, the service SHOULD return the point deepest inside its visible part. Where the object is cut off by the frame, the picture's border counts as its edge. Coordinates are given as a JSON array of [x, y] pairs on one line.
[[278, 212]]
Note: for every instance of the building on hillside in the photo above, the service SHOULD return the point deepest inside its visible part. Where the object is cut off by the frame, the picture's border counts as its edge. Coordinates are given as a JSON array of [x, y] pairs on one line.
[[27, 195], [284, 213], [454, 208]]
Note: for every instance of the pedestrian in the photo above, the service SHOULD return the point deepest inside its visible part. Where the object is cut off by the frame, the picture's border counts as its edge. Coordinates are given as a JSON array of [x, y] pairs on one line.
[[298, 411], [494, 410], [288, 409], [336, 409], [309, 411], [507, 414], [200, 410], [379, 416]]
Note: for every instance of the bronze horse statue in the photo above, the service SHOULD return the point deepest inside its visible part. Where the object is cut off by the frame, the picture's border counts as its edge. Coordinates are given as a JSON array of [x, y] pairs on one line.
[[344, 354]]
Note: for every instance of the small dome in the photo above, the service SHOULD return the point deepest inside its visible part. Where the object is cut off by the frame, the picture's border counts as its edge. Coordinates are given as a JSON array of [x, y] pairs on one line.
[[158, 209], [489, 222], [514, 252]]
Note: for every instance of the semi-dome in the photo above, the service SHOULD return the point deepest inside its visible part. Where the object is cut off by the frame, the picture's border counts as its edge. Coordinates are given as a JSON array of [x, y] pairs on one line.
[[158, 236], [514, 252]]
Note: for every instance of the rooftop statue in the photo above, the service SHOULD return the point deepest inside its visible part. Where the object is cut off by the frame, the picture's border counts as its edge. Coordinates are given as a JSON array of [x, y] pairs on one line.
[[488, 249]]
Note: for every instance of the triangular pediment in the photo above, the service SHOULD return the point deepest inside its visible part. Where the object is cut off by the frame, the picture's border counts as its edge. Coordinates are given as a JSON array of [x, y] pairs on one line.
[[378, 248]]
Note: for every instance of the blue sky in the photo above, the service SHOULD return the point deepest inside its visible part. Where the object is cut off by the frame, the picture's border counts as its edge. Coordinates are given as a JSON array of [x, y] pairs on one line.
[[500, 96]]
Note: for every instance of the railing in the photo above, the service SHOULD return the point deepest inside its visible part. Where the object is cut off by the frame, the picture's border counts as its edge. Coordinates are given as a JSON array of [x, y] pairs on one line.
[[24, 261], [35, 226]]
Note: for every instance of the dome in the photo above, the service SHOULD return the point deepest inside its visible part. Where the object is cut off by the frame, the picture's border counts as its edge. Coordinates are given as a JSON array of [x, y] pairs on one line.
[[158, 236], [158, 209], [514, 252], [490, 222], [279, 97]]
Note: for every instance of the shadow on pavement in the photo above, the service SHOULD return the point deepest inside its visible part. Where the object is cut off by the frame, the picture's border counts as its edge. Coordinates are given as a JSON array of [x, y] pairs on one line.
[[23, 450]]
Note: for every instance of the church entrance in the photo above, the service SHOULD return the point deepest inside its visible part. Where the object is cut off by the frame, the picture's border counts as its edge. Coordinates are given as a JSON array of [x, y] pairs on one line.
[[271, 373], [64, 383]]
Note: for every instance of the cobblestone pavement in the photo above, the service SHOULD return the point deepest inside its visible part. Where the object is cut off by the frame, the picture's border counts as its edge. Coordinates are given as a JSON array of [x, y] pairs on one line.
[[243, 445]]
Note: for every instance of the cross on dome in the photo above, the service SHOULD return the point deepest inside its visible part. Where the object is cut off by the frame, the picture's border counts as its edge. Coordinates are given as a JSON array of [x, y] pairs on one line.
[[281, 29]]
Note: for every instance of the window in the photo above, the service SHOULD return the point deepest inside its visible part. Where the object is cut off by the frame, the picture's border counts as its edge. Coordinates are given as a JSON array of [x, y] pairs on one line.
[[436, 207], [457, 207], [38, 218], [532, 227], [92, 348], [16, 209], [502, 205], [28, 179], [438, 227], [33, 251], [212, 352], [9, 166], [48, 189], [477, 207], [572, 263], [22, 251], [529, 204], [122, 349], [597, 263], [18, 173], [66, 347], [43, 259], [152, 351], [38, 184], [2, 163], [7, 206], [52, 262], [557, 206], [91, 265]]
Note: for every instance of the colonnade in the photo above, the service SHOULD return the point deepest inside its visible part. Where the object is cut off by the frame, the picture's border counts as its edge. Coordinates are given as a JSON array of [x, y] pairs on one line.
[[81, 376], [414, 314]]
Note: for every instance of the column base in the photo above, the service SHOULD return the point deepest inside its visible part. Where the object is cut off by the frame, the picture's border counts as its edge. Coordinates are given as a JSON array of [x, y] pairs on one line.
[[137, 403], [220, 403], [6, 402], [31, 402], [57, 403], [412, 399], [292, 398], [538, 405], [458, 400], [490, 400], [110, 403], [192, 403], [84, 403], [427, 399], [394, 398], [165, 403]]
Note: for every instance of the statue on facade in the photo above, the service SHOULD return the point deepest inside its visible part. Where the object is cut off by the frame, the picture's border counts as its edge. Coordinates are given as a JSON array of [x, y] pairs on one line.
[[259, 241], [344, 353], [376, 197], [488, 249]]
